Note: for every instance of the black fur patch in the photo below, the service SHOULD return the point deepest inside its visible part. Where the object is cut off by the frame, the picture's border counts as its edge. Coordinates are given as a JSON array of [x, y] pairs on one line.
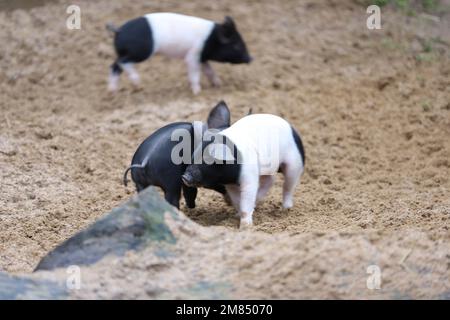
[[298, 142], [134, 41], [208, 175], [231, 171], [210, 45], [233, 50], [116, 68]]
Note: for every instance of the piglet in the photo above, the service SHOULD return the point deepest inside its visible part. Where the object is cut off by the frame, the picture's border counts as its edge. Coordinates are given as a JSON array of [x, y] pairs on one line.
[[159, 160], [193, 39], [245, 158]]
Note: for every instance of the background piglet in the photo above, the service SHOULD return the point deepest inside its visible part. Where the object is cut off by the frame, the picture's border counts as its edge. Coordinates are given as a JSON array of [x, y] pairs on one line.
[[245, 158], [152, 163], [193, 39]]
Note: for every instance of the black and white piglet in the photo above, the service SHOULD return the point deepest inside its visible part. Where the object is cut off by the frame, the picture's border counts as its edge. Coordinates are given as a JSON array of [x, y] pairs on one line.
[[245, 158], [153, 162], [193, 39]]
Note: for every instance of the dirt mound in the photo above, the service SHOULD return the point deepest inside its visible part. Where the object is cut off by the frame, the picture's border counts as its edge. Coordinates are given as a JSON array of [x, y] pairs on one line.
[[372, 108], [147, 249]]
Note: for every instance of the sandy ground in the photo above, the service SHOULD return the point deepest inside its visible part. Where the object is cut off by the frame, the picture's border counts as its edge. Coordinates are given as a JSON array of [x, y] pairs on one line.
[[279, 266], [373, 109]]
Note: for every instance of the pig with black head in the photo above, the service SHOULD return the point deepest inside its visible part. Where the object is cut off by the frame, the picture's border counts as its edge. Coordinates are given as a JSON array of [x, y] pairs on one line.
[[245, 158], [162, 158], [193, 39]]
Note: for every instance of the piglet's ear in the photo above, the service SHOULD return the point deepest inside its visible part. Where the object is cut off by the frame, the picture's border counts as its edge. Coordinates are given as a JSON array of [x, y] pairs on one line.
[[229, 23], [227, 30], [219, 117], [220, 152]]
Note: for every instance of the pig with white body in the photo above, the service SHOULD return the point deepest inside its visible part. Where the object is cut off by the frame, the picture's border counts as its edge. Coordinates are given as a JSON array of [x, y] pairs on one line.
[[245, 158], [193, 39]]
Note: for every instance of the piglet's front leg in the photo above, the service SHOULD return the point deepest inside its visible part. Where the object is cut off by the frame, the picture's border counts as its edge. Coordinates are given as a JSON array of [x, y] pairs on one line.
[[247, 204], [234, 192], [210, 74], [194, 71]]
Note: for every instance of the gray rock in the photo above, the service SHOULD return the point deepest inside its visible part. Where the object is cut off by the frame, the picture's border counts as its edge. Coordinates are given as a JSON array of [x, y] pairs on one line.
[[128, 227], [13, 288]]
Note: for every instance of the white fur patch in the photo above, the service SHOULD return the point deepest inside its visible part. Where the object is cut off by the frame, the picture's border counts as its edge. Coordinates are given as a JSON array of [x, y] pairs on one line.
[[265, 141], [175, 35], [113, 82], [266, 144]]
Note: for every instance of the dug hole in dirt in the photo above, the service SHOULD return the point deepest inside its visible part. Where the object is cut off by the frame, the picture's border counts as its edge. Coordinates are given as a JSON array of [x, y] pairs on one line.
[[372, 106]]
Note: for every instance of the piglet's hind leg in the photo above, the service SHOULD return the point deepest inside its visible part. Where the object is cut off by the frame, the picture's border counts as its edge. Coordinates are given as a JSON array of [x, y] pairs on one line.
[[131, 71], [114, 76], [291, 172]]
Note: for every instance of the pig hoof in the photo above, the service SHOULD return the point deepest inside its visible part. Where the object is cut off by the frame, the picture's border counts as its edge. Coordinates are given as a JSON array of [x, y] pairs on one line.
[[112, 87], [288, 205], [135, 80], [196, 89], [137, 88], [227, 200], [246, 224], [216, 82], [288, 202]]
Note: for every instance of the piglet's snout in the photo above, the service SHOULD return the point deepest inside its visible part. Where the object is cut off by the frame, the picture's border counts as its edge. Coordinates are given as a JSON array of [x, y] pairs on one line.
[[187, 179]]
